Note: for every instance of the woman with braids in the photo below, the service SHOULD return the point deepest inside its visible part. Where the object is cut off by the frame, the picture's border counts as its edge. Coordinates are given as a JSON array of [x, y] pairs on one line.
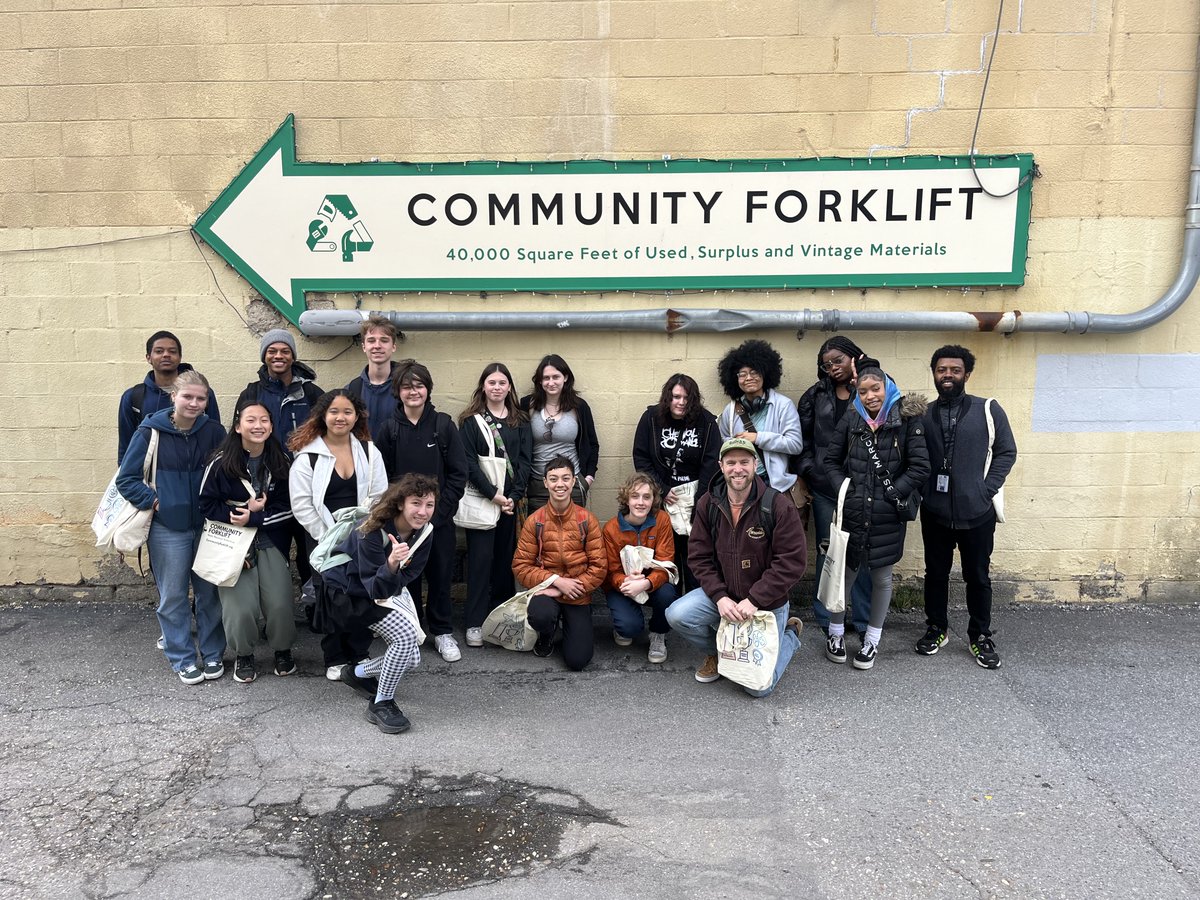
[[750, 376], [335, 467], [490, 551], [387, 553], [562, 425], [821, 409], [246, 483], [676, 442]]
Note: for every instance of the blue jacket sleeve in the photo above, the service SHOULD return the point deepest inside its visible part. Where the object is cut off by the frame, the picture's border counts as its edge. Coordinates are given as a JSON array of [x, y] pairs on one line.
[[129, 476]]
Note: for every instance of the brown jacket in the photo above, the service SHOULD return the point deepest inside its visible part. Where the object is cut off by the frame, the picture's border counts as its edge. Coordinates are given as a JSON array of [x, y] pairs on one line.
[[559, 547]]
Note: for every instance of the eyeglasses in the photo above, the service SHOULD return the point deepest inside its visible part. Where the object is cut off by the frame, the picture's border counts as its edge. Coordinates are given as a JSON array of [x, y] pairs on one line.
[[748, 375], [830, 365]]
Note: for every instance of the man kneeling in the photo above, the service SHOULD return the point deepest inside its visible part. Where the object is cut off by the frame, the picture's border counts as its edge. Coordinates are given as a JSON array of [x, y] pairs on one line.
[[739, 550], [563, 540]]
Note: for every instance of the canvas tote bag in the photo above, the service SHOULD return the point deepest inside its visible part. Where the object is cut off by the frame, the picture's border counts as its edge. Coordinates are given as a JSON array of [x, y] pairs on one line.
[[831, 590], [747, 651], [476, 511]]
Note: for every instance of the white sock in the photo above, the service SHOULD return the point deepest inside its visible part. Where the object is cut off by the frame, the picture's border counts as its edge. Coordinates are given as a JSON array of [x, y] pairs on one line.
[[873, 635], [360, 671], [837, 629]]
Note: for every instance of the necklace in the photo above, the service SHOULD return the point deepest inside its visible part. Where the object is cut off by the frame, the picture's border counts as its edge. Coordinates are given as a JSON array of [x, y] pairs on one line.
[[171, 416]]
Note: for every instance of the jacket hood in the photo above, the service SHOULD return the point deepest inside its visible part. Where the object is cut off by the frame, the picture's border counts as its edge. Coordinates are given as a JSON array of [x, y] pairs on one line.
[[183, 367], [317, 446], [300, 372], [913, 405], [426, 414], [161, 421]]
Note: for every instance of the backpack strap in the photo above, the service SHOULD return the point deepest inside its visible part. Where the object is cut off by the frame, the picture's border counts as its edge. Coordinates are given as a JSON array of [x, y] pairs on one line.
[[137, 398]]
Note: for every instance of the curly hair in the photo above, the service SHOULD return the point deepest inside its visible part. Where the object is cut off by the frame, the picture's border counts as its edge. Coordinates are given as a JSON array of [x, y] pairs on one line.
[[753, 354], [953, 351], [626, 488], [391, 504]]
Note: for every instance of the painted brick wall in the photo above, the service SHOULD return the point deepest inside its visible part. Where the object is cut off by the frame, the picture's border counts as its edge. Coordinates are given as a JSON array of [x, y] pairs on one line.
[[127, 122]]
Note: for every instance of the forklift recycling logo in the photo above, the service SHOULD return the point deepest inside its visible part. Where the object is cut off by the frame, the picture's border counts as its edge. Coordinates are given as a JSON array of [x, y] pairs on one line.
[[355, 239]]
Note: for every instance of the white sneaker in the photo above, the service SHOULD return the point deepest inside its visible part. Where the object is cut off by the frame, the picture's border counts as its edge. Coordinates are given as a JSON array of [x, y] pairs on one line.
[[334, 673], [474, 637], [620, 640], [658, 648], [448, 647], [161, 643]]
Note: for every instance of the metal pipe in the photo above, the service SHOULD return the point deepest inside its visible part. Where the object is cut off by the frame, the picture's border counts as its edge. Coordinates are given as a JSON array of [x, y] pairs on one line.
[[315, 322]]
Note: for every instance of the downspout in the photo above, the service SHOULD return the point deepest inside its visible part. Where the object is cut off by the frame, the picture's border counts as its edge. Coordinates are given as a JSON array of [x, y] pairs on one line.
[[315, 322]]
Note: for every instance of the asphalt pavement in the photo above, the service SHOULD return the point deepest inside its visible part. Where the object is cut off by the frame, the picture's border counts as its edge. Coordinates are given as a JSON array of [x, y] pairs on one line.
[[1069, 772]]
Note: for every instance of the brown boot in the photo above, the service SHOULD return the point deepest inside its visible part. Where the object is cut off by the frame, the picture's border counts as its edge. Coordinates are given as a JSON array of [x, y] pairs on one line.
[[708, 670]]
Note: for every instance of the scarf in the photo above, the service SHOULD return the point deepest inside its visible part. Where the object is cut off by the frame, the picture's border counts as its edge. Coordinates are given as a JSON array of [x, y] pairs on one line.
[[891, 396]]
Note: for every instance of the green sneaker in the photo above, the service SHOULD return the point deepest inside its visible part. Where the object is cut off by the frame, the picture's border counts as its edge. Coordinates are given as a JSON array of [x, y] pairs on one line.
[[191, 674], [933, 641], [214, 670], [985, 653]]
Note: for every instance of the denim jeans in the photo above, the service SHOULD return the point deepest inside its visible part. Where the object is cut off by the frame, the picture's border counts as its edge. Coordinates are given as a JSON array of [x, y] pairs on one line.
[[860, 592], [171, 555], [627, 617], [695, 617]]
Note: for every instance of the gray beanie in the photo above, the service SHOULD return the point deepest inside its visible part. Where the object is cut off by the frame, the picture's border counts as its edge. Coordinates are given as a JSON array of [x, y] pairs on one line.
[[276, 336]]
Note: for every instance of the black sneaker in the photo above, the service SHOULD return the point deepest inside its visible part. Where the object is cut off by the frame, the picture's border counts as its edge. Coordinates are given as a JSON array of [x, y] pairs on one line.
[[865, 658], [544, 646], [284, 664], [388, 717], [933, 641], [243, 670], [367, 687], [985, 653], [835, 648]]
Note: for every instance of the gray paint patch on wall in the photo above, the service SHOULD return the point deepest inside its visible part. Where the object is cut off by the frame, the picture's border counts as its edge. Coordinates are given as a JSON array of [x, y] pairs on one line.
[[1107, 392]]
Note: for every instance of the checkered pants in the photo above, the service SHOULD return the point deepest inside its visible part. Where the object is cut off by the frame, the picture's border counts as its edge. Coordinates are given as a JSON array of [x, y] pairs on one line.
[[403, 653]]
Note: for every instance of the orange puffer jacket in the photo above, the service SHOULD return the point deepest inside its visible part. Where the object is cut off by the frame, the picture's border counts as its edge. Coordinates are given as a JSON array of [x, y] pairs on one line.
[[559, 547], [658, 536]]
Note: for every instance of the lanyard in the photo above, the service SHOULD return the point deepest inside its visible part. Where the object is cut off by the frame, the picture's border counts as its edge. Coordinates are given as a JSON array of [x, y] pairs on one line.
[[952, 413]]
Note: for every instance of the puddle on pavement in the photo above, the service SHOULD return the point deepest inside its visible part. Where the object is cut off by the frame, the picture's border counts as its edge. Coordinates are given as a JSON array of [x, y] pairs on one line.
[[441, 834]]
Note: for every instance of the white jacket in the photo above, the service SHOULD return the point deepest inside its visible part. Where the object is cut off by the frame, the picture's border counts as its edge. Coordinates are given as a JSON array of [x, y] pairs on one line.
[[778, 438], [308, 482]]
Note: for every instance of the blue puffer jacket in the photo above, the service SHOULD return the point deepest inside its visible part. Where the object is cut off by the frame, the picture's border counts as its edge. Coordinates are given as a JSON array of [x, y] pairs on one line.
[[181, 458]]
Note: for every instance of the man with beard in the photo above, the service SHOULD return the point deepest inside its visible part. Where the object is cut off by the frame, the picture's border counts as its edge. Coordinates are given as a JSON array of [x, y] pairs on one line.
[[748, 550], [958, 509]]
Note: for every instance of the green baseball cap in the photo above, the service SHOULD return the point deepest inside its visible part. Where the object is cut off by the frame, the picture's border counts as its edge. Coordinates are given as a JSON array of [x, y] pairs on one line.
[[737, 443]]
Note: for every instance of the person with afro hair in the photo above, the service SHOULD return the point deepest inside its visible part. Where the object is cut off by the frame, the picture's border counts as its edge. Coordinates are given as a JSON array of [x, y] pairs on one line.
[[750, 374]]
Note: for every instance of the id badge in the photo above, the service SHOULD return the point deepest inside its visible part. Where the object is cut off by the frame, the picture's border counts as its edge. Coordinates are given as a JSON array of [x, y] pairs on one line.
[[943, 484]]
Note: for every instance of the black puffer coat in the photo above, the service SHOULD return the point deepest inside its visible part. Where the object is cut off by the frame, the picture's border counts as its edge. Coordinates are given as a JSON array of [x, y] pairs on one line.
[[876, 528], [818, 424]]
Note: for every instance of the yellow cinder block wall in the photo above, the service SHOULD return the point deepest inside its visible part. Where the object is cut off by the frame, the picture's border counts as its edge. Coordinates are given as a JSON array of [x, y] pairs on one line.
[[127, 123]]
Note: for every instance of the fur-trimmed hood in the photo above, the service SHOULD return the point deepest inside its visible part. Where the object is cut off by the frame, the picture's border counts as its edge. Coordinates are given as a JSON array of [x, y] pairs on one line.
[[913, 405]]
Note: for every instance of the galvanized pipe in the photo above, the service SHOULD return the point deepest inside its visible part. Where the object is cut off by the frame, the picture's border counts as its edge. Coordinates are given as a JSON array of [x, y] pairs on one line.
[[315, 322]]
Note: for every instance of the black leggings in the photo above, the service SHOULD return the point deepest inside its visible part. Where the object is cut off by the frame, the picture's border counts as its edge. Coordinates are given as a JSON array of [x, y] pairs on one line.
[[578, 638]]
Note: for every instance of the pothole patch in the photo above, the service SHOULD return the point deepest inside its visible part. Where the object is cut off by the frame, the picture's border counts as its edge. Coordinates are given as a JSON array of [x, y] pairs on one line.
[[434, 834]]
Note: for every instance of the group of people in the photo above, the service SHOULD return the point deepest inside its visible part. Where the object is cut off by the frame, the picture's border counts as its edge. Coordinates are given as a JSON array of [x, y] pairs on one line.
[[366, 481]]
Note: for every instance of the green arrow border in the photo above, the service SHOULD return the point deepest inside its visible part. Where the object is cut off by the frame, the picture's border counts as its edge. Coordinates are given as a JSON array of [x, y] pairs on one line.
[[284, 140]]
